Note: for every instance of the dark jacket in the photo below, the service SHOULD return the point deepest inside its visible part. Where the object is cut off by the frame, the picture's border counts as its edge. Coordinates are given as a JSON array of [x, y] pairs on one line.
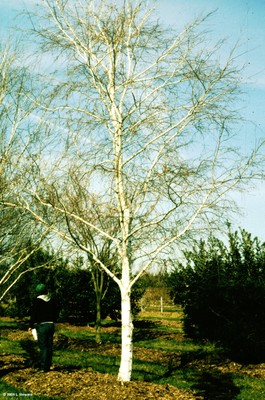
[[43, 310]]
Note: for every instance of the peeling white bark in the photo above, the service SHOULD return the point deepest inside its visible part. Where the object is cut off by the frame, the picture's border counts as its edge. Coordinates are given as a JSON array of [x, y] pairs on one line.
[[126, 341]]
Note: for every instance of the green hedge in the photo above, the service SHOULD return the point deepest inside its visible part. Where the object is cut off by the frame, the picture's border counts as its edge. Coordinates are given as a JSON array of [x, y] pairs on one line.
[[222, 290]]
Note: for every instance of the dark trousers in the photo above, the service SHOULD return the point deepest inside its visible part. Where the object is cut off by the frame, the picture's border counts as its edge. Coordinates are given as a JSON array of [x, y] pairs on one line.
[[45, 341]]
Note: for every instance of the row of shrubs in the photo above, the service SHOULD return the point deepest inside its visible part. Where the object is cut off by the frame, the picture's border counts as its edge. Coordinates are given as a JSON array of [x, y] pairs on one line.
[[222, 290]]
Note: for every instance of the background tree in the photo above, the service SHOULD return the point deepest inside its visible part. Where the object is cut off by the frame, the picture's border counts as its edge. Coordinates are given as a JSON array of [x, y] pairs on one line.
[[75, 293], [20, 234], [39, 266], [222, 290], [75, 196], [144, 115]]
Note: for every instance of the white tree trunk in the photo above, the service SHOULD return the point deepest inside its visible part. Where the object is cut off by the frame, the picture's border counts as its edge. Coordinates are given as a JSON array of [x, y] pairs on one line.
[[126, 342]]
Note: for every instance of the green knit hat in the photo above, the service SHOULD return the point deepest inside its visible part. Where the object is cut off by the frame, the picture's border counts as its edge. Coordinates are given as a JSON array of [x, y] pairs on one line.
[[41, 288]]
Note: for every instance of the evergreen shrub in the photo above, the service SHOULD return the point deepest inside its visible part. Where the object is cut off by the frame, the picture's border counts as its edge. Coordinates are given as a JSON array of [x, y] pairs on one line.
[[222, 290]]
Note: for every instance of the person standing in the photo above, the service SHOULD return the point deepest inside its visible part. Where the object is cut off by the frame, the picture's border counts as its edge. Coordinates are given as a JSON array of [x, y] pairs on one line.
[[43, 316]]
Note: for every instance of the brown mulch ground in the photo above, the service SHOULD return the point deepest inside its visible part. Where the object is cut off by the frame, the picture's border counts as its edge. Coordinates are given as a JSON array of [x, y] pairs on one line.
[[89, 385], [86, 384]]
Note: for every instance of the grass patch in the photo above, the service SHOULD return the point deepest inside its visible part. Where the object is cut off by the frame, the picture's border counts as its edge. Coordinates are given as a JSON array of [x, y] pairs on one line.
[[168, 345], [161, 317], [182, 378], [251, 388], [162, 329], [172, 317], [11, 347], [85, 334], [76, 359], [80, 334], [166, 309], [149, 372], [6, 323]]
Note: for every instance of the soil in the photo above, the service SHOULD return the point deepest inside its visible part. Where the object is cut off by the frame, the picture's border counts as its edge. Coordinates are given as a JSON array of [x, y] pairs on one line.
[[86, 384]]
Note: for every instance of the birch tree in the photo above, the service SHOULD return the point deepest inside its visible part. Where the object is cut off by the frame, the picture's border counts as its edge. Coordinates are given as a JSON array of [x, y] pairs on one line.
[[146, 117], [20, 235]]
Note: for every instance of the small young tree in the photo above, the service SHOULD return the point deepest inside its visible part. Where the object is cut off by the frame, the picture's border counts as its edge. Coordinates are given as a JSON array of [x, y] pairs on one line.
[[144, 115], [74, 195]]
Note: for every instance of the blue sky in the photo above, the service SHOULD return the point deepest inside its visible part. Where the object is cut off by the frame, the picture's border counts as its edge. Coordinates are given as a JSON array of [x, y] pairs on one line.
[[235, 20], [243, 21]]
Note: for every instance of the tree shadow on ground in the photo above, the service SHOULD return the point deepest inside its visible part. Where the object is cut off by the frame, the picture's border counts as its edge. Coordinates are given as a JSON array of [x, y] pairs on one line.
[[209, 381], [216, 385], [145, 330], [31, 353]]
